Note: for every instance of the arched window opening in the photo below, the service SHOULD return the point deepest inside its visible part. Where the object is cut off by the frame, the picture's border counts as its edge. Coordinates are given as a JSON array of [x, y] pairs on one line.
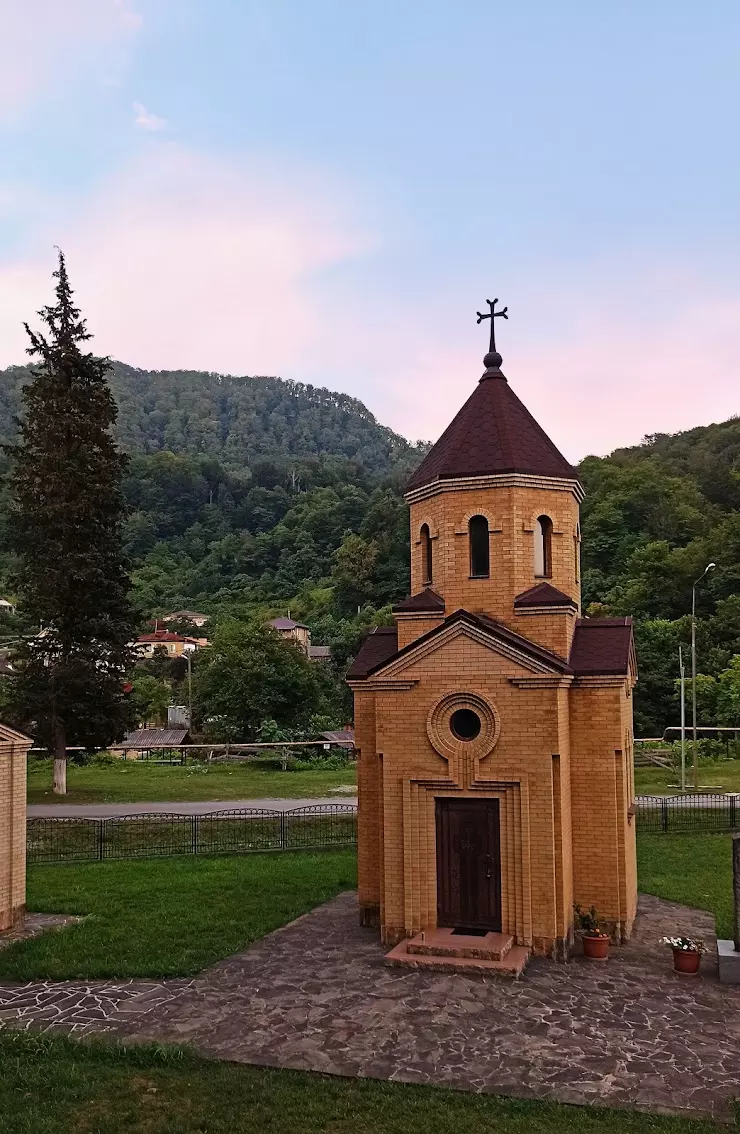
[[426, 554], [578, 553], [543, 547], [479, 549]]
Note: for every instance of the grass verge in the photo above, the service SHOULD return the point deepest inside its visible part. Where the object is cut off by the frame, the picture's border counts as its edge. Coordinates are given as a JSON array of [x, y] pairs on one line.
[[135, 781], [168, 917], [723, 774], [695, 870], [51, 1085]]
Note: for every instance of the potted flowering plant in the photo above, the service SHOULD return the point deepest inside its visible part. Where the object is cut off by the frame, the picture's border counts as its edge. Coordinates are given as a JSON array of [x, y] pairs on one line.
[[687, 952], [595, 941]]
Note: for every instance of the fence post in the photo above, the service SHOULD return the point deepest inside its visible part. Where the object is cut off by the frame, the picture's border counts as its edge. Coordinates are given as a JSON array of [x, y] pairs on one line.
[[101, 839], [193, 834], [736, 890], [733, 812], [664, 814], [283, 830]]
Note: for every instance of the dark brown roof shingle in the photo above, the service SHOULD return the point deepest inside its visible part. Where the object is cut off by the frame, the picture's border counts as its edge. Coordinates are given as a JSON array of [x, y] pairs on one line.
[[544, 594], [602, 647], [492, 433], [425, 600], [380, 645]]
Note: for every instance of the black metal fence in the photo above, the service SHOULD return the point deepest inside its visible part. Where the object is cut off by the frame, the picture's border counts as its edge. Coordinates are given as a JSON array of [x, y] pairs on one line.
[[687, 814], [162, 834]]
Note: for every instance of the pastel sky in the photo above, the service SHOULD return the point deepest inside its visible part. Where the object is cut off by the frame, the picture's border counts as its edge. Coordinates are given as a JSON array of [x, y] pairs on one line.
[[327, 191]]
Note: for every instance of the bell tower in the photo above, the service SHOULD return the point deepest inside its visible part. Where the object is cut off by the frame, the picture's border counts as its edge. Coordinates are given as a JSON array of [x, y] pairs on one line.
[[494, 514], [490, 717]]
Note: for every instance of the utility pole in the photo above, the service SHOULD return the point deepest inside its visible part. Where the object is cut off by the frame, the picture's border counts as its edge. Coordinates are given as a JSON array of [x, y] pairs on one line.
[[682, 671], [694, 754], [189, 659]]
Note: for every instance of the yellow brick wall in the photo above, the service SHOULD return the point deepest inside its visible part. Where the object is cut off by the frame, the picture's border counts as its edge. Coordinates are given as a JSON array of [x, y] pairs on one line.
[[553, 630], [411, 627], [532, 732], [369, 813], [604, 859], [561, 768], [12, 833], [511, 513]]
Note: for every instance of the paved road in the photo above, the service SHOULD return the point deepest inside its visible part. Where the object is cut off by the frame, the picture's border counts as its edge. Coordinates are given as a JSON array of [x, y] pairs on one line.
[[104, 810], [709, 802], [108, 810]]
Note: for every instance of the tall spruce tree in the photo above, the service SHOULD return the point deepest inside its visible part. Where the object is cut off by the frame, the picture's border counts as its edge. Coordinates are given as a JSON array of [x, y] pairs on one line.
[[66, 529]]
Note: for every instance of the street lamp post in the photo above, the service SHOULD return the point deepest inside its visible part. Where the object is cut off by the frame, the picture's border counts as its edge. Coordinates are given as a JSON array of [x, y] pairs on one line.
[[709, 567], [189, 660], [682, 671]]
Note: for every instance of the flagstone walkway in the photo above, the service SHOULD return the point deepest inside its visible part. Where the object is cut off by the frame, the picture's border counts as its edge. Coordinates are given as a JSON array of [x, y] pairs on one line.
[[315, 995]]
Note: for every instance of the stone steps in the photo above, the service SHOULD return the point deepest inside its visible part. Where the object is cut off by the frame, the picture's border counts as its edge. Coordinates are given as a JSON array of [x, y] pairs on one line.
[[439, 950], [448, 943]]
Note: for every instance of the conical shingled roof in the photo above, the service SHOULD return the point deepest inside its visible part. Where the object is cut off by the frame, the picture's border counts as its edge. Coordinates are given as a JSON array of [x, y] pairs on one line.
[[493, 433]]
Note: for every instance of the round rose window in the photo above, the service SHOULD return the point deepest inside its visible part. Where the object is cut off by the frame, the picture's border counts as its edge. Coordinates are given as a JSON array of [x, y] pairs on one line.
[[465, 724]]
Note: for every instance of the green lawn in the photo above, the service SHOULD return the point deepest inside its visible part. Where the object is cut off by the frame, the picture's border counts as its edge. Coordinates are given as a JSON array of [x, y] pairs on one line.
[[168, 917], [174, 916], [54, 1085], [724, 774], [133, 781], [695, 870]]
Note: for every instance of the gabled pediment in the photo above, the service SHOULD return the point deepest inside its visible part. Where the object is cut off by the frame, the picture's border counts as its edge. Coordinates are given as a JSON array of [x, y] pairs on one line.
[[491, 635]]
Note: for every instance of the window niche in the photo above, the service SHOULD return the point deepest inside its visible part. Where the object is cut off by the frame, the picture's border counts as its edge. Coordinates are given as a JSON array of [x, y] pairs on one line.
[[543, 547], [479, 547], [425, 538]]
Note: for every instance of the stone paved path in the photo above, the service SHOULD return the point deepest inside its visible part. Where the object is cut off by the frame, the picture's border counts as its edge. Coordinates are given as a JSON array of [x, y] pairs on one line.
[[34, 924], [316, 996]]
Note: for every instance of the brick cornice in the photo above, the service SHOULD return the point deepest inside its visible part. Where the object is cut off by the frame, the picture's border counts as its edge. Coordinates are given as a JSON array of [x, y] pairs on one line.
[[495, 480]]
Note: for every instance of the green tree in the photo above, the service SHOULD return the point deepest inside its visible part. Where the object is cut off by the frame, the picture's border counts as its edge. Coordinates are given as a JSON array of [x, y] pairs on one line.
[[66, 528], [728, 695], [150, 698], [249, 675], [354, 568]]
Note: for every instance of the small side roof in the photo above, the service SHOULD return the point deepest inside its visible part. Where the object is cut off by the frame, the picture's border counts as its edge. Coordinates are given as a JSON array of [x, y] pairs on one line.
[[425, 600], [379, 646], [155, 738], [544, 594], [12, 736], [286, 624], [603, 647], [343, 736]]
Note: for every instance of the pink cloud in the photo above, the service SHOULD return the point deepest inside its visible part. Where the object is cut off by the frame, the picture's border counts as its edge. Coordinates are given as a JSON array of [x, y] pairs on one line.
[[42, 40], [602, 381], [184, 260]]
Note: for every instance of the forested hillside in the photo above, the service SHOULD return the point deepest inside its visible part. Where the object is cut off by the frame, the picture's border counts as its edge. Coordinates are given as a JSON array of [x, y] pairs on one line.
[[253, 495], [233, 419]]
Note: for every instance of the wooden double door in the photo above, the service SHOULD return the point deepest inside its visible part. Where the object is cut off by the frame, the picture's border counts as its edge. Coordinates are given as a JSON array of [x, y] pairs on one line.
[[468, 864]]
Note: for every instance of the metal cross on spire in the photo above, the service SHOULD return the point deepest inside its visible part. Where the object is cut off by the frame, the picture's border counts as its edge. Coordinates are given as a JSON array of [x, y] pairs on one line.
[[492, 315]]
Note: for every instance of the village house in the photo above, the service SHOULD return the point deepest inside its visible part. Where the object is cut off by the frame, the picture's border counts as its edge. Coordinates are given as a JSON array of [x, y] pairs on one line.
[[174, 644], [193, 616], [298, 632], [493, 723]]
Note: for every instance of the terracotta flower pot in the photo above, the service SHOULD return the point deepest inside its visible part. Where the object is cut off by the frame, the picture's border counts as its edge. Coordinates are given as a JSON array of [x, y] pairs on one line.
[[595, 948], [686, 960]]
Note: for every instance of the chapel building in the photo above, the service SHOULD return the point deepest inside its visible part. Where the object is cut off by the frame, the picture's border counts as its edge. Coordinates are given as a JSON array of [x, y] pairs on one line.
[[493, 723]]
